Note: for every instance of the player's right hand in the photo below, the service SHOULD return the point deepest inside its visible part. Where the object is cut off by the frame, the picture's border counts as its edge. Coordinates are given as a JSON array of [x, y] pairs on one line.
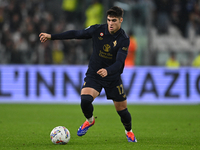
[[44, 37]]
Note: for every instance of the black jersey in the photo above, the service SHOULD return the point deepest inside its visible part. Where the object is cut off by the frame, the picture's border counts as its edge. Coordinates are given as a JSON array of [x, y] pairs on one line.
[[109, 50]]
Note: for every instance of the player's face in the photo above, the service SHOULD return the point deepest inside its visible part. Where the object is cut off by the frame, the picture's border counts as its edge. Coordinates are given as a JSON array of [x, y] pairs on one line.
[[114, 24]]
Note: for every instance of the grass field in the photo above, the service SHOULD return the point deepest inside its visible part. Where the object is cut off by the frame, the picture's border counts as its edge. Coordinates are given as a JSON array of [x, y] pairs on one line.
[[157, 127]]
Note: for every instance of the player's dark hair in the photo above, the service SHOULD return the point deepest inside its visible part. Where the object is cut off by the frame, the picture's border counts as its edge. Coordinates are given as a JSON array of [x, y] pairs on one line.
[[115, 12]]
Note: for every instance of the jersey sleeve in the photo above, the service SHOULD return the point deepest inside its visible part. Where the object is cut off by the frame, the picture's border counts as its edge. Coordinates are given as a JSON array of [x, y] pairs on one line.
[[120, 58], [75, 34]]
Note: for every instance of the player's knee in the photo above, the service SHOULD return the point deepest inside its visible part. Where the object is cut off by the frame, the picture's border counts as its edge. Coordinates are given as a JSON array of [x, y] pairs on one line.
[[86, 100]]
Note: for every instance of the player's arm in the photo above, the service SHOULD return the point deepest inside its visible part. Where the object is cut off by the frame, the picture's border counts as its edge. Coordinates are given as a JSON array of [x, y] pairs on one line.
[[120, 58], [114, 67], [75, 34], [71, 34]]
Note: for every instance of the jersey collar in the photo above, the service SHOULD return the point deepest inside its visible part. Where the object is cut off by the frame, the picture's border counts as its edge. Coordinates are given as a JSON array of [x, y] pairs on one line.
[[115, 34]]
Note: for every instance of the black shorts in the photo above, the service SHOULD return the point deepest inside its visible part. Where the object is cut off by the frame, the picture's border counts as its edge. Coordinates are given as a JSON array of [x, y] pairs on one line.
[[114, 89]]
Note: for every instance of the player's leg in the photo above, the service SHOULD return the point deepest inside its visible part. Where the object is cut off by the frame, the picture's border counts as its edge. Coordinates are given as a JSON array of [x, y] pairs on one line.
[[87, 96], [121, 108], [115, 91]]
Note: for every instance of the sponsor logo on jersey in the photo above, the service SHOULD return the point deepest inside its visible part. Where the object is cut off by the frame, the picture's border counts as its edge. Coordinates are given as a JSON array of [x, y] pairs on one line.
[[106, 47]]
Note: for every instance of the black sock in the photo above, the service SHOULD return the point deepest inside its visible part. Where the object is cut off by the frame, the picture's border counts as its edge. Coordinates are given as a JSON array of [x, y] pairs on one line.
[[125, 119]]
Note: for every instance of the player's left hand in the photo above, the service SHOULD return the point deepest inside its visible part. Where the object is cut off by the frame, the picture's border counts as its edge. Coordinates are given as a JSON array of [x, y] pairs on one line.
[[102, 72]]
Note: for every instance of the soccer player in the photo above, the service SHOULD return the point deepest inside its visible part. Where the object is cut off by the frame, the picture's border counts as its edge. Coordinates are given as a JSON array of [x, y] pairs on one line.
[[110, 45]]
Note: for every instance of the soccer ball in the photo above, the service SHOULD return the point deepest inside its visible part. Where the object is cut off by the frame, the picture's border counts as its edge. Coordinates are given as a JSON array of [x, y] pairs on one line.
[[60, 135]]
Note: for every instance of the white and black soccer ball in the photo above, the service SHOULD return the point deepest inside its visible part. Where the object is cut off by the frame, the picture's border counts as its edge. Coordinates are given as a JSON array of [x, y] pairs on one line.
[[60, 135]]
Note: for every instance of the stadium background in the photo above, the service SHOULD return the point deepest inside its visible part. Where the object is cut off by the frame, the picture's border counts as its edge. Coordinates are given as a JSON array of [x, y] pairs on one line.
[[34, 72]]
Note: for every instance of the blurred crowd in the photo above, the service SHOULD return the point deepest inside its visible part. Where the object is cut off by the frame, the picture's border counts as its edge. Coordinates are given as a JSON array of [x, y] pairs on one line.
[[21, 21], [183, 14], [177, 35]]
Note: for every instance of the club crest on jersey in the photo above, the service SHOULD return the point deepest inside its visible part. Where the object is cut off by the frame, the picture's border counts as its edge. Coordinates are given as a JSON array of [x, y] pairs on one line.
[[106, 47], [114, 43], [101, 34]]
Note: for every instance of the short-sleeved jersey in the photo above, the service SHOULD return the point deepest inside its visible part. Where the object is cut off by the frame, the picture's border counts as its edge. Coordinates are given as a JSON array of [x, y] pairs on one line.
[[107, 49]]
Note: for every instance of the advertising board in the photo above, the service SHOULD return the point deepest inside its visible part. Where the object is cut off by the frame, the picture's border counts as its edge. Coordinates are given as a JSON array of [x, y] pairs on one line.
[[62, 84]]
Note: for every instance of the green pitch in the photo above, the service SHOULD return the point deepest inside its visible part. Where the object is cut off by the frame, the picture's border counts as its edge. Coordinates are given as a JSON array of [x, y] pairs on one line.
[[157, 127]]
